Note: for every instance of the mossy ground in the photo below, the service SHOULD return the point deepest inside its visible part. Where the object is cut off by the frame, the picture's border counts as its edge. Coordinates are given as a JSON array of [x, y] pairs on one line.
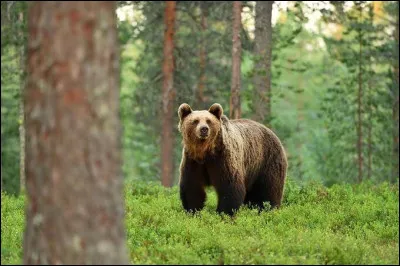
[[343, 224]]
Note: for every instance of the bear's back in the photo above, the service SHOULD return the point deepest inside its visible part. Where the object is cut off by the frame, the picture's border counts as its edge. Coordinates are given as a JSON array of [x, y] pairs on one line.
[[257, 143]]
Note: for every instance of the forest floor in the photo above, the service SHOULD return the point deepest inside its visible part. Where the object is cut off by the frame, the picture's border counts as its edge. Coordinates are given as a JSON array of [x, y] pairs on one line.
[[343, 224]]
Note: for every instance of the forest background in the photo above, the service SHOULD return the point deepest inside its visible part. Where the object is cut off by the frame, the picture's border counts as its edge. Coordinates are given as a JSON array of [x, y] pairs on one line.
[[332, 95]]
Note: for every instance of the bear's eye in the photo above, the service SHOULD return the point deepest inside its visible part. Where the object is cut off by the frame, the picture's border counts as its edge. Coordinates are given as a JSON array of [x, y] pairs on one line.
[[195, 121], [208, 121]]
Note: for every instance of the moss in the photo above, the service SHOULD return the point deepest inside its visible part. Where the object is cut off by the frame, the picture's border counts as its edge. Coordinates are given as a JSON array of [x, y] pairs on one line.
[[343, 224]]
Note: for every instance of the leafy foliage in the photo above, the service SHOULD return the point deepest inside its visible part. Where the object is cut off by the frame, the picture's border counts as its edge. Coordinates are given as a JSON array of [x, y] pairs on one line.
[[12, 227], [13, 39], [361, 53], [343, 224]]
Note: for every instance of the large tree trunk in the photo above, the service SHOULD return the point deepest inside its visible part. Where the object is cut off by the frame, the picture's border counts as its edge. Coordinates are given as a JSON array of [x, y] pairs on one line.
[[359, 105], [75, 211], [168, 96], [21, 109], [203, 56], [395, 112], [235, 111], [263, 52]]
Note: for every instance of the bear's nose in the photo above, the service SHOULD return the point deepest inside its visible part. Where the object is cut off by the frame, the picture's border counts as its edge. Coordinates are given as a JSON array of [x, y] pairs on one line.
[[204, 130]]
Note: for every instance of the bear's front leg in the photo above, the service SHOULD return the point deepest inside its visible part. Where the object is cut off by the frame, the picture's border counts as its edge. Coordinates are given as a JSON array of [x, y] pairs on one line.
[[193, 198], [192, 183], [230, 197]]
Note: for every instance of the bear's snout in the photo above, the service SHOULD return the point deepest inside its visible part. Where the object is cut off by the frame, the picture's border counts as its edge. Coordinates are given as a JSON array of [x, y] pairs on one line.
[[203, 131]]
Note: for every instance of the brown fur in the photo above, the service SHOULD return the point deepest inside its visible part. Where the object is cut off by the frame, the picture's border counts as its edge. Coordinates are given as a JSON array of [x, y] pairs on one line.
[[244, 160]]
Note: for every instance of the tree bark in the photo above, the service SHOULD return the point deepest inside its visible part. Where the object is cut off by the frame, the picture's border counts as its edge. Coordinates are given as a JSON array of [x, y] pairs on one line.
[[203, 56], [235, 111], [395, 112], [75, 212], [21, 109], [263, 53], [168, 96]]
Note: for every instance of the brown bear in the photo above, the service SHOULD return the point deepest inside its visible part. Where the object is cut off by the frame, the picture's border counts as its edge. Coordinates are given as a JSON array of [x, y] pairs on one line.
[[243, 160]]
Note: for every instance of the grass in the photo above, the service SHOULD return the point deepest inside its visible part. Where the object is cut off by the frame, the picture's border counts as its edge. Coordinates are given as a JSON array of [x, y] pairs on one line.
[[343, 224]]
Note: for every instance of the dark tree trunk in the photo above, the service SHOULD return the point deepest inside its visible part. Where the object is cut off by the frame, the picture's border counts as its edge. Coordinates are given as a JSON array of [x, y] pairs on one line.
[[75, 212], [168, 97], [235, 111], [263, 52], [203, 57]]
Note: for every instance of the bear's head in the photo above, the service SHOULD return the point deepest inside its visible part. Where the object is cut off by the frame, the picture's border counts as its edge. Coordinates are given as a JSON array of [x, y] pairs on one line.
[[199, 129]]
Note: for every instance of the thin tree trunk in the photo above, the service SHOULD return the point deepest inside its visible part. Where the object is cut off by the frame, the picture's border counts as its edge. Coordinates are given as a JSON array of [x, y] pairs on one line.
[[369, 174], [263, 52], [299, 129], [235, 111], [168, 96], [395, 112], [359, 112], [21, 109], [75, 212], [203, 56], [369, 93]]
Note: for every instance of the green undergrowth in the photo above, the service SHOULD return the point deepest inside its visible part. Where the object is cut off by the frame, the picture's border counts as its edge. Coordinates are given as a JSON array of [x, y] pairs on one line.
[[343, 224]]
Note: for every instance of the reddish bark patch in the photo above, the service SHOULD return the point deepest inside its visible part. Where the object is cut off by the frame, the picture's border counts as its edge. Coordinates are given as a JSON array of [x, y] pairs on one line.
[[35, 94], [105, 219], [61, 68], [88, 28], [74, 16], [33, 33], [59, 17], [83, 244], [73, 96], [46, 135]]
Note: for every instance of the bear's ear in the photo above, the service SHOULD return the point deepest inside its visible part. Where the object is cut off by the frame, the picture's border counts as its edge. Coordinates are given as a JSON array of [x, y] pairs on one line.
[[216, 109], [184, 110]]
